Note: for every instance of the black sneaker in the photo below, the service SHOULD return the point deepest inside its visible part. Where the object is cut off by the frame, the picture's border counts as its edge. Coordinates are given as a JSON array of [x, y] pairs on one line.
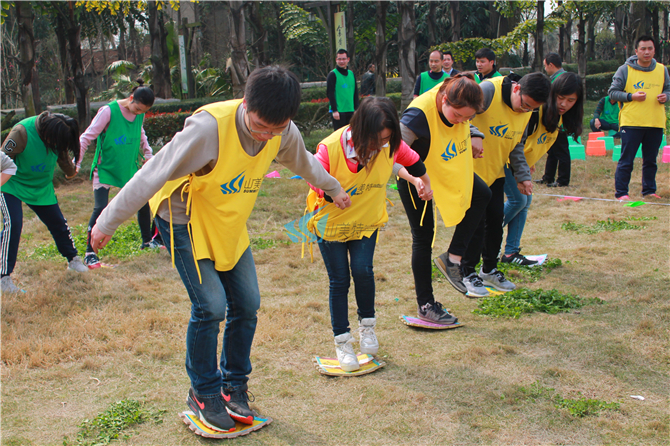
[[211, 411], [237, 404], [451, 271], [91, 260], [436, 314], [556, 184], [518, 259], [542, 181]]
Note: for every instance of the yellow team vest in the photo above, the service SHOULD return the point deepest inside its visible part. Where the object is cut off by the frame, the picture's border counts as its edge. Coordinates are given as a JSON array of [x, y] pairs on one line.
[[220, 202], [540, 141], [504, 129], [449, 162], [648, 113], [367, 189]]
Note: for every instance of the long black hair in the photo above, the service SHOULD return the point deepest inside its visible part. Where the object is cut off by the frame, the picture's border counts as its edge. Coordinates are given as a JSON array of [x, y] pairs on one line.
[[565, 84], [373, 116], [59, 133]]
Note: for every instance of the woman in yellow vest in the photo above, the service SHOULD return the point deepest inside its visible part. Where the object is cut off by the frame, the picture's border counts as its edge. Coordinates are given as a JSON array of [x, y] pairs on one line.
[[361, 157], [565, 107]]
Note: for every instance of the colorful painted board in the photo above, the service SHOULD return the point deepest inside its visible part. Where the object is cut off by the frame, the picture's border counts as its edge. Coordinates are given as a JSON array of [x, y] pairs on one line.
[[540, 259], [416, 322], [331, 366], [101, 265], [194, 423]]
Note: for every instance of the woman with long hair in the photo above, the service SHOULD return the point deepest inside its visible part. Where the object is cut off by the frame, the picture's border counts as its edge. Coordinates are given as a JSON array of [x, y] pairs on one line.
[[361, 157], [565, 108]]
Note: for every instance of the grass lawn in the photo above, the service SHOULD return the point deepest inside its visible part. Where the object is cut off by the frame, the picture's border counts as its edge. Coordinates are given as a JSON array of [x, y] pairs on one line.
[[73, 345]]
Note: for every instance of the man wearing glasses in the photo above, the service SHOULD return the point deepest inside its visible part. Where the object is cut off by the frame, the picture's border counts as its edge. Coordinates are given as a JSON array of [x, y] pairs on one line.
[[204, 185], [342, 91], [507, 107]]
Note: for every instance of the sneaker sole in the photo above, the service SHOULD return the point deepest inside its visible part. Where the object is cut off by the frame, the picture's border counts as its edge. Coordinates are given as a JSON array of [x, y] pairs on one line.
[[438, 322], [242, 419], [473, 295], [502, 290], [197, 412], [441, 268], [370, 351]]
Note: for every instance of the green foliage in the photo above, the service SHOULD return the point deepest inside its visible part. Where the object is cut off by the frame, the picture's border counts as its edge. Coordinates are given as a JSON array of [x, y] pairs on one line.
[[583, 407], [258, 243], [529, 274], [536, 391], [520, 301], [609, 225], [161, 127], [110, 424], [296, 24]]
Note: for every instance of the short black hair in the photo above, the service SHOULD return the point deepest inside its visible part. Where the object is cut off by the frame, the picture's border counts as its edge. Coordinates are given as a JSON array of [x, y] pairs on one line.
[[644, 39], [485, 53], [449, 53], [554, 59], [371, 65], [342, 51], [536, 85], [59, 133], [273, 92]]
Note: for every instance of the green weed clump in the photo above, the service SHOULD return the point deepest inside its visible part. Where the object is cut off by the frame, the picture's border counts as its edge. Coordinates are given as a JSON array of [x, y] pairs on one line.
[[110, 424], [529, 274], [610, 225], [517, 302], [580, 407]]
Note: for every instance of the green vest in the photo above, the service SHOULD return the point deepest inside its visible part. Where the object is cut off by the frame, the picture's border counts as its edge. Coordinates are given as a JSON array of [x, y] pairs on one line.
[[479, 80], [345, 86], [610, 112], [118, 155], [427, 82], [33, 182]]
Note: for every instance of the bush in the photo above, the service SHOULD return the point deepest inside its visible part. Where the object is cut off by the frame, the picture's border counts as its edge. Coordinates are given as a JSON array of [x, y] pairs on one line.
[[597, 85], [161, 127]]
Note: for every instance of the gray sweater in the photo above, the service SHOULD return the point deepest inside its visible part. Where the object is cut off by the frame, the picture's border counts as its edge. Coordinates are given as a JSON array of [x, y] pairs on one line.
[[618, 87]]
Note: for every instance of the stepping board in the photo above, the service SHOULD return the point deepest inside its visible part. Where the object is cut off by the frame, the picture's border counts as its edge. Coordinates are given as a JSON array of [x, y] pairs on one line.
[[331, 366], [194, 423], [102, 265], [540, 259], [416, 322]]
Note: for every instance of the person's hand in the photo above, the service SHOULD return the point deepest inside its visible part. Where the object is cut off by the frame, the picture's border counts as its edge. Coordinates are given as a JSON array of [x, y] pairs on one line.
[[98, 239], [342, 200], [596, 123], [662, 98], [336, 116], [639, 96], [477, 148], [532, 169], [423, 189], [525, 187]]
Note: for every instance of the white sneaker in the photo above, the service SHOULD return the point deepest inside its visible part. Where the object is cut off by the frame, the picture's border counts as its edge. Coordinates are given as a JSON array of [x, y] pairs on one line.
[[497, 280], [366, 331], [345, 352], [7, 286], [77, 265]]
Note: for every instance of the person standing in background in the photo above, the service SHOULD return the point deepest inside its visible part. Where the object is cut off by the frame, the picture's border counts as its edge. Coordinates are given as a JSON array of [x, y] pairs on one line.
[[342, 91]]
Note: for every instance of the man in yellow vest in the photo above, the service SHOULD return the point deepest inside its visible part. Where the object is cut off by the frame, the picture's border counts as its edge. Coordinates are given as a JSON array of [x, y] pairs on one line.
[[428, 79], [642, 86], [204, 184]]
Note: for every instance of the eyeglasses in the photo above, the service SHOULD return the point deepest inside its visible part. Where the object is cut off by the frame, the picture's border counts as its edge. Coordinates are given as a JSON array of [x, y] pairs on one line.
[[524, 106], [284, 132]]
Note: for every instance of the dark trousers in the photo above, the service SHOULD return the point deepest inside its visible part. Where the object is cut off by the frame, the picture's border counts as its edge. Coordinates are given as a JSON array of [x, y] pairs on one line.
[[12, 220], [422, 235], [488, 236], [101, 196], [631, 138], [604, 126], [345, 117], [558, 155]]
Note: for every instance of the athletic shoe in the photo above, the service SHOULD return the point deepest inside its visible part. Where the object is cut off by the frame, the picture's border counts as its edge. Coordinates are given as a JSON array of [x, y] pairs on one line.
[[436, 314], [237, 404], [623, 198], [496, 279], [556, 184], [76, 265], [152, 244], [345, 352], [211, 411], [366, 331], [7, 286], [451, 271], [518, 259], [541, 181], [475, 286], [91, 260], [651, 196]]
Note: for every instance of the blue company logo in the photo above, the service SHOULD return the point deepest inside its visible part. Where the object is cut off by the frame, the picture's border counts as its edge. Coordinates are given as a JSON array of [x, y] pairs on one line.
[[301, 234], [499, 130], [542, 139], [233, 186], [353, 190], [344, 86], [38, 167], [450, 151], [638, 85], [121, 140]]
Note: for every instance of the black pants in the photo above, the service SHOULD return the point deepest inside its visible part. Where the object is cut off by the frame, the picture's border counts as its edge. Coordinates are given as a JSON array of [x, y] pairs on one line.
[[604, 126], [12, 220], [101, 196], [422, 235], [345, 117], [486, 240], [558, 155]]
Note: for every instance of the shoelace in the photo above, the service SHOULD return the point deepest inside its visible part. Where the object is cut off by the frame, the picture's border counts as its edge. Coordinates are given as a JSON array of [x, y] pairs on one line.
[[439, 308], [242, 396], [477, 281]]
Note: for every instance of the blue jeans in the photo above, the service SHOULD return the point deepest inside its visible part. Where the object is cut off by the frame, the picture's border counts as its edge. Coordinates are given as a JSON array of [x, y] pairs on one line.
[[232, 295], [336, 260], [516, 212], [631, 138]]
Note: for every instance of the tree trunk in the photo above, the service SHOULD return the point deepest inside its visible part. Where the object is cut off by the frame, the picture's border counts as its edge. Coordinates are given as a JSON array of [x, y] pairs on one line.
[[619, 15], [407, 47], [135, 46], [121, 51], [351, 41], [239, 66], [24, 13], [654, 28], [591, 36], [430, 20], [65, 63], [259, 34], [581, 49], [568, 41], [382, 47], [526, 57], [638, 13], [454, 9], [561, 36], [664, 52], [76, 63], [160, 60], [281, 40], [539, 37], [37, 98]]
